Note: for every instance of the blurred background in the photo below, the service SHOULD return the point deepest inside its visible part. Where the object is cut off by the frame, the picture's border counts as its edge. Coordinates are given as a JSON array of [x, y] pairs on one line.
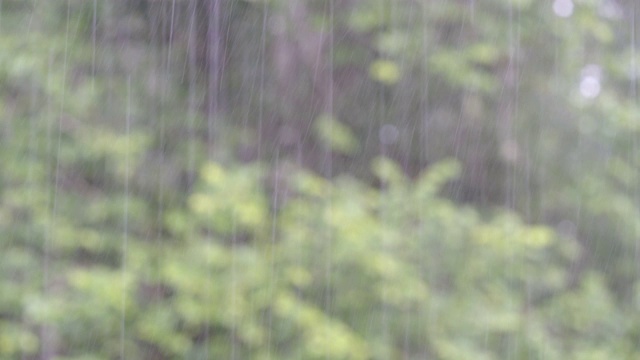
[[319, 179]]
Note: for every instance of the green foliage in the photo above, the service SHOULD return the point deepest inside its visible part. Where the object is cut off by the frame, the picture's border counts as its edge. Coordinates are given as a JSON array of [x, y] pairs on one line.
[[232, 202], [385, 71], [129, 224], [337, 136], [353, 272]]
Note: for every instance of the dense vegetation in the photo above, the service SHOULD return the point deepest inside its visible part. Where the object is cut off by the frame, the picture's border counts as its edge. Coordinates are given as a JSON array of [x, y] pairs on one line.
[[213, 179]]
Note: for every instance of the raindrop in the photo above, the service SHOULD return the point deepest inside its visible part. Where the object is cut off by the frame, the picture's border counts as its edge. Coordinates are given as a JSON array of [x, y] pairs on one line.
[[563, 8]]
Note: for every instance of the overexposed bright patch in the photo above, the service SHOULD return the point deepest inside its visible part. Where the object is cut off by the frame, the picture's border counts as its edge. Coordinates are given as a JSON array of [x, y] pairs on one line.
[[563, 8], [388, 134]]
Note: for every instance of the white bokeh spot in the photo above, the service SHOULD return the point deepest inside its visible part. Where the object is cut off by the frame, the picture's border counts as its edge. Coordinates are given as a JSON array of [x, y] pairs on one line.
[[590, 83], [563, 8], [590, 87]]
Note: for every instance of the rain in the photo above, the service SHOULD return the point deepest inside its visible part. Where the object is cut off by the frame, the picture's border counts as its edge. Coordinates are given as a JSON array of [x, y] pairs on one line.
[[319, 179]]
